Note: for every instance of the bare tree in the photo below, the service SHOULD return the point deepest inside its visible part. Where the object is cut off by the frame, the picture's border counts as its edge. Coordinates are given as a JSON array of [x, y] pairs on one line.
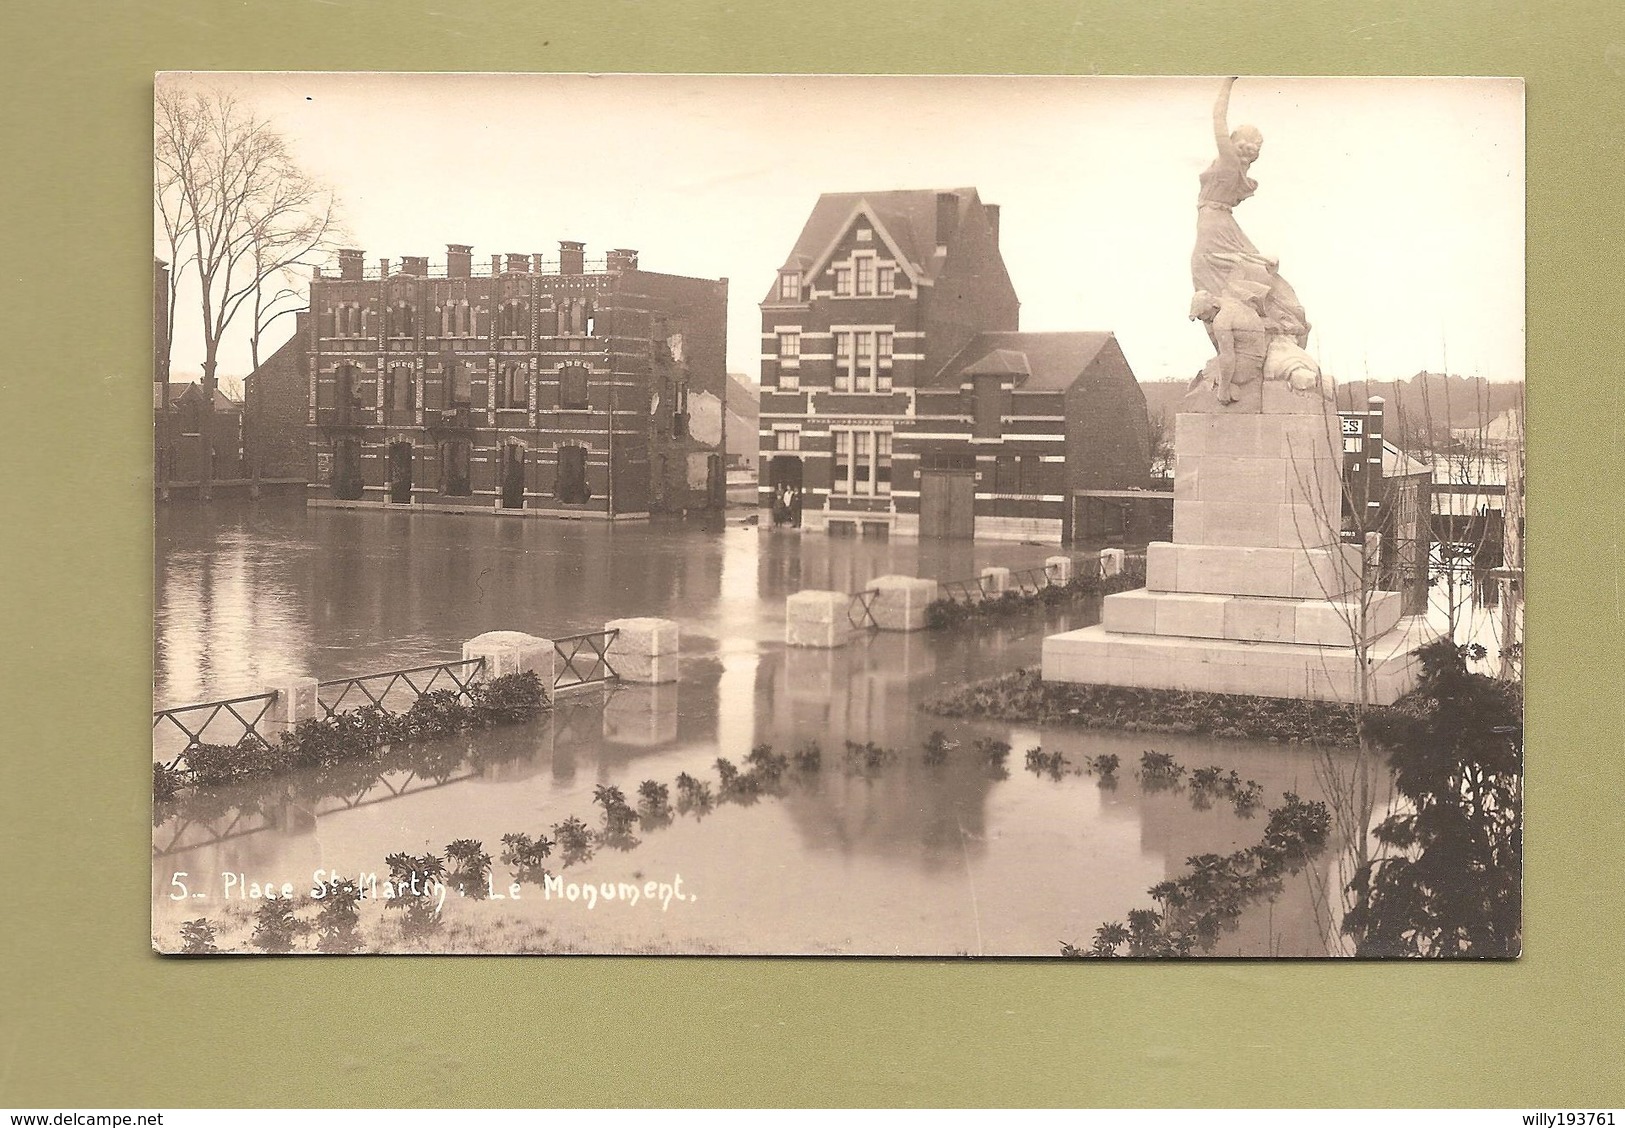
[[237, 210]]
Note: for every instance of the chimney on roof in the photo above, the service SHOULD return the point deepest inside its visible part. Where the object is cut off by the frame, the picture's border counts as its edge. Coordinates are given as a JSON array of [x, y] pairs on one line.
[[459, 260], [496, 265], [947, 218], [538, 264], [518, 264], [992, 211], [350, 265], [415, 265], [621, 259], [572, 257], [383, 268]]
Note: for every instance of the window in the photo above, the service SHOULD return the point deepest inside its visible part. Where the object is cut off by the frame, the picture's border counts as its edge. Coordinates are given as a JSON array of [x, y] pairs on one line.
[[884, 348], [462, 384], [785, 438], [402, 322], [513, 389], [789, 349], [790, 286], [863, 462], [887, 280], [864, 373], [866, 274], [865, 234], [513, 319], [571, 484], [843, 281], [843, 362], [573, 387], [862, 465], [456, 320], [842, 473], [400, 388], [349, 320]]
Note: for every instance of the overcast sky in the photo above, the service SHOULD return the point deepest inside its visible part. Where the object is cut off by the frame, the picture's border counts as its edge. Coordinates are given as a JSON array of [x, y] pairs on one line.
[[1395, 206]]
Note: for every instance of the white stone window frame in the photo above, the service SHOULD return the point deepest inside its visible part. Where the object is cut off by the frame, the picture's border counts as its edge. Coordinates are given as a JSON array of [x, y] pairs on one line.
[[878, 438], [876, 378]]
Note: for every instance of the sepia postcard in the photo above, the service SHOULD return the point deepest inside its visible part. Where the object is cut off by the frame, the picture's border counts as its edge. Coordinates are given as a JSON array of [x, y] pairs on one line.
[[838, 515]]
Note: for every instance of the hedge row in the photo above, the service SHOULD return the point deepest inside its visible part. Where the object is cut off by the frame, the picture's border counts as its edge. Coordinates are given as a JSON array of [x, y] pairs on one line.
[[941, 613]]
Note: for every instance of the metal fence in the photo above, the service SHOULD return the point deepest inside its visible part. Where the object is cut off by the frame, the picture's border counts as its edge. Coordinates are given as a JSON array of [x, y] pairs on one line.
[[181, 728], [584, 659], [396, 691], [1025, 581]]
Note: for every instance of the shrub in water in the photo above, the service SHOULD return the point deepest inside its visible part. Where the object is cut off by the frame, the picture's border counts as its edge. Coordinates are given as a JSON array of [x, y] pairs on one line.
[[574, 840], [276, 927], [413, 888], [936, 747], [809, 757], [197, 937], [338, 920], [693, 794], [469, 867]]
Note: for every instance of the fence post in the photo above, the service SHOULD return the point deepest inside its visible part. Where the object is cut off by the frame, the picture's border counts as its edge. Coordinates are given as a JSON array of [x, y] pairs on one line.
[[295, 701], [514, 652], [1111, 562], [995, 580], [645, 651], [1058, 569], [817, 618], [899, 603]]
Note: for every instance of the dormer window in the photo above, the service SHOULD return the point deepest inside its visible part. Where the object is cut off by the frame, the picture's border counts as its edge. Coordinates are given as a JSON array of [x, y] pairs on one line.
[[790, 286], [865, 265]]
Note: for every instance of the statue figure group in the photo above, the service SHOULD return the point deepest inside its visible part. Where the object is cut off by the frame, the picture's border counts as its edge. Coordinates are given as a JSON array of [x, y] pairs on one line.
[[1253, 317]]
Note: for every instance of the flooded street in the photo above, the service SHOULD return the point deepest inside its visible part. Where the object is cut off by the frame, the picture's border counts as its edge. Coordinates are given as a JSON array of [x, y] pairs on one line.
[[911, 857]]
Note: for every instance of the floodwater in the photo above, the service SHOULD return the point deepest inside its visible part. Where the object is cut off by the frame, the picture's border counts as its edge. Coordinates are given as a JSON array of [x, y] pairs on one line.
[[909, 858]]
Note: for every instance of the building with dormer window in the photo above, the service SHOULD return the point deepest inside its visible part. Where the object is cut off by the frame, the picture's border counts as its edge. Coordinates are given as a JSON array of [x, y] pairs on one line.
[[900, 398]]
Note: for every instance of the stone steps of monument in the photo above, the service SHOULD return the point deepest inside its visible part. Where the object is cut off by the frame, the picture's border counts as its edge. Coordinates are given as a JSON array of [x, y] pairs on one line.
[[1246, 618], [1097, 656]]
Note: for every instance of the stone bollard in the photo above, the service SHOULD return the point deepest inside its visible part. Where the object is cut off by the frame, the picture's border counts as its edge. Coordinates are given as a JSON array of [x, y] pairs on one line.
[[995, 581], [899, 602], [1058, 569], [295, 701], [1111, 562], [641, 716], [514, 652], [817, 618], [645, 651]]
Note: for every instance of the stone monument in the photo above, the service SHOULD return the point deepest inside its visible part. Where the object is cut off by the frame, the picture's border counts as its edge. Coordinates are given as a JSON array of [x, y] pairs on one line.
[[1257, 593]]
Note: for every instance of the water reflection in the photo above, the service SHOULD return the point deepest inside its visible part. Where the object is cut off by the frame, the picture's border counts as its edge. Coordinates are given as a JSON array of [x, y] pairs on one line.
[[910, 858]]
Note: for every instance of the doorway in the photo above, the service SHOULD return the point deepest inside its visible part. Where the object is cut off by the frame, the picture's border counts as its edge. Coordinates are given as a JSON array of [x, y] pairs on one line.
[[571, 486], [784, 475], [400, 473], [513, 476], [347, 484], [948, 503]]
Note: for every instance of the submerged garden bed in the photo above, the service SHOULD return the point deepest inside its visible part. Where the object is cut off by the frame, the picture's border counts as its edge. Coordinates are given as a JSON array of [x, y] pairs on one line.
[[1026, 698]]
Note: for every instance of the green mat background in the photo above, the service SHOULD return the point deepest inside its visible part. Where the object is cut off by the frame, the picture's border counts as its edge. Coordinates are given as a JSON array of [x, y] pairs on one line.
[[89, 1018]]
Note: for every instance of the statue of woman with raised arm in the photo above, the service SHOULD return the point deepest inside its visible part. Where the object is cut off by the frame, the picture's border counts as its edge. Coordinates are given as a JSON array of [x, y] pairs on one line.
[[1220, 242]]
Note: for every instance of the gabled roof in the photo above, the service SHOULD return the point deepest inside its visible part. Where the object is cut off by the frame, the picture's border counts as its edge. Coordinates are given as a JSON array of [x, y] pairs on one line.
[[192, 389], [906, 219], [1037, 362]]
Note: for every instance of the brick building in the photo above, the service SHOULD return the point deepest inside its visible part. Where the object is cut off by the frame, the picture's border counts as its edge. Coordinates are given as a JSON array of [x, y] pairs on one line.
[[542, 387], [900, 397], [276, 409]]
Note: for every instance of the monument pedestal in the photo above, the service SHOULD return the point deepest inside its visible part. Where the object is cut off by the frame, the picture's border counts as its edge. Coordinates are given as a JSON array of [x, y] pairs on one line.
[[1256, 594]]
